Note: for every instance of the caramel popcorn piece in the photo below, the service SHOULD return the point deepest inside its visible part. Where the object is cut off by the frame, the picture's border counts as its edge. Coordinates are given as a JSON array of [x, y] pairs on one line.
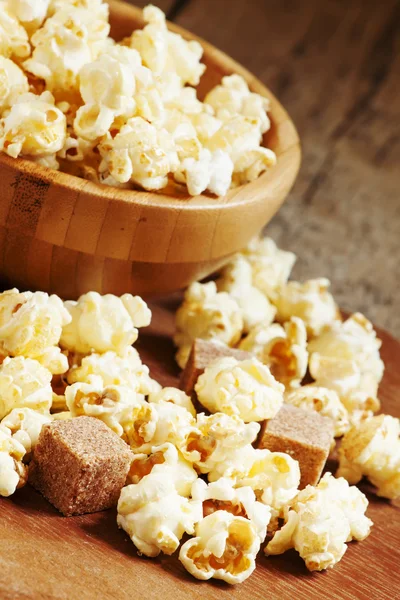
[[79, 465], [304, 435]]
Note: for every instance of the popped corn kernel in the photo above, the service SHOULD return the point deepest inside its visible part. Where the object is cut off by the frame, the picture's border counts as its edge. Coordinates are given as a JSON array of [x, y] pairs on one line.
[[102, 323], [33, 126], [14, 42], [225, 547], [372, 449], [236, 279], [240, 502], [31, 13], [271, 267], [206, 314], [112, 404], [25, 425], [310, 301], [320, 522], [282, 349], [212, 171], [324, 401], [166, 460], [215, 439], [13, 83], [155, 516], [13, 473], [155, 424], [244, 388], [175, 396], [124, 369]]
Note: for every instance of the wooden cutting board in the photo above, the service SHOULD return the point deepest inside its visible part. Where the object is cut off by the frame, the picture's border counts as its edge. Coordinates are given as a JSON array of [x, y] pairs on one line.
[[46, 556]]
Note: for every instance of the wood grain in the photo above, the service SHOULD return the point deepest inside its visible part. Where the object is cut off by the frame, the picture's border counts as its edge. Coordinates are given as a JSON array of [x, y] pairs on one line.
[[44, 556], [335, 66]]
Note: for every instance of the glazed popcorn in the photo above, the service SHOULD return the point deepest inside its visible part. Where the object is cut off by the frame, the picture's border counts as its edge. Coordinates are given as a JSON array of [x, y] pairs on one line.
[[271, 267], [14, 42], [324, 401], [13, 83], [282, 349], [241, 502], [215, 439], [152, 424], [33, 126], [13, 473], [372, 449], [25, 425], [310, 301], [30, 326], [175, 396], [104, 323], [206, 314], [166, 461], [225, 547], [320, 522], [112, 404], [24, 383], [155, 516], [243, 388], [236, 279], [124, 369], [274, 476]]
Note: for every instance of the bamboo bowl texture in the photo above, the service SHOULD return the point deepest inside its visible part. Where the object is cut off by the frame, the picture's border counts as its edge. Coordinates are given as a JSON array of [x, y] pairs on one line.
[[65, 235]]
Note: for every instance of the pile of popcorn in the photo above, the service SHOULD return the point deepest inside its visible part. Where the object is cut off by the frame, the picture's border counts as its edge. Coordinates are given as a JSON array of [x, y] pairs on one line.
[[198, 473], [122, 114]]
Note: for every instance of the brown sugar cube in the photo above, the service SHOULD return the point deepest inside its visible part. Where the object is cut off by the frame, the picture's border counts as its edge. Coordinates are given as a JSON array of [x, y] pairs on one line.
[[202, 354], [79, 465], [305, 435]]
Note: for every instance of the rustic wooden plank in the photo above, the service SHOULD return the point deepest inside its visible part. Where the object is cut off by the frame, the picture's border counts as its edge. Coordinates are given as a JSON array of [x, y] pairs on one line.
[[334, 65], [46, 556]]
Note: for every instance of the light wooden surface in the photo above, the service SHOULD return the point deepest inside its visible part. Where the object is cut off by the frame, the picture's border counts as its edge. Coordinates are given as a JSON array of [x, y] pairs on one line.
[[46, 556], [65, 235], [335, 66]]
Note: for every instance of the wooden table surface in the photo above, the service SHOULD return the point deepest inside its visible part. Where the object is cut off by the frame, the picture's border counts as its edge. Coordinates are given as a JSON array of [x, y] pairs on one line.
[[44, 556], [335, 66]]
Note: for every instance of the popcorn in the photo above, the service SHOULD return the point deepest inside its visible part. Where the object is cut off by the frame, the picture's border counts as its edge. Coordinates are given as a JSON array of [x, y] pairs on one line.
[[310, 301], [34, 126], [104, 323], [155, 516], [282, 349], [14, 41], [372, 449], [124, 369], [24, 383], [175, 396], [320, 522], [25, 425], [240, 502], [13, 83], [207, 314], [212, 172], [236, 279], [111, 404], [324, 401], [225, 547], [274, 476], [30, 326], [31, 13], [244, 388], [167, 461], [215, 439], [139, 153], [155, 424], [13, 473]]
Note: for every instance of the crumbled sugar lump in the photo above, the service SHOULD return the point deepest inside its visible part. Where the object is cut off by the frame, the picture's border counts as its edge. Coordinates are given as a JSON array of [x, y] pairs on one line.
[[372, 449], [320, 521], [13, 473], [126, 114]]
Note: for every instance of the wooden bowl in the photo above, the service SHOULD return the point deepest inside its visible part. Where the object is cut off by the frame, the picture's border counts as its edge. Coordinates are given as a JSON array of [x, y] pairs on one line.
[[65, 235]]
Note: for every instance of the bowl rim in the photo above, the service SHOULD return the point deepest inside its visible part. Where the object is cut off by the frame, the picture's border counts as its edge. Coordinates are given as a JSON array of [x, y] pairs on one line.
[[280, 120]]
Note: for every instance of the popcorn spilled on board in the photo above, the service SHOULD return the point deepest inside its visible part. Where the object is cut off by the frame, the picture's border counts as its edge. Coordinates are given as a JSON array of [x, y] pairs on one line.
[[122, 114], [195, 468]]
